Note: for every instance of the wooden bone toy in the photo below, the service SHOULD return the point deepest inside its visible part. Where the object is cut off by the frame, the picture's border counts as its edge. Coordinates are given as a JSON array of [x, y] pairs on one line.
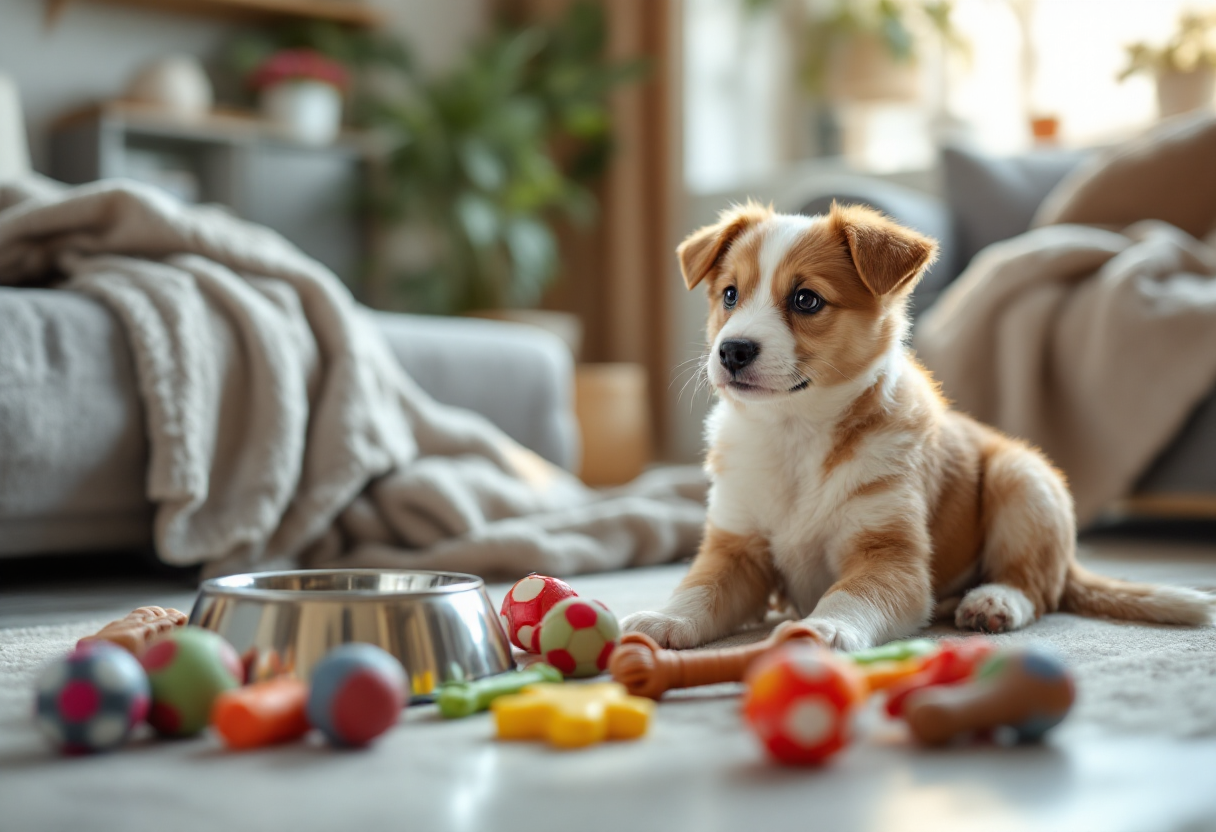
[[645, 669]]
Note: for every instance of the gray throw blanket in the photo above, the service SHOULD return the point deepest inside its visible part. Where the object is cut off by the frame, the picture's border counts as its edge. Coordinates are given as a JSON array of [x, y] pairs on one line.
[[1094, 334], [281, 429]]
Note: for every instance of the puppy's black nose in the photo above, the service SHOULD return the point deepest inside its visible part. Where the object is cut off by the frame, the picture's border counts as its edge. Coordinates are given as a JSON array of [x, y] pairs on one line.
[[737, 354]]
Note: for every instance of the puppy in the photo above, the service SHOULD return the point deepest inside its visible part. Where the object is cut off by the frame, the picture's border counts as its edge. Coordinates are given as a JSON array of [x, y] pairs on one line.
[[842, 481]]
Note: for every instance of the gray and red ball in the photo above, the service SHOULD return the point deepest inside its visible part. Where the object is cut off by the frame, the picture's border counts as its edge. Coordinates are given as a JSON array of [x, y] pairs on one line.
[[91, 699], [357, 693]]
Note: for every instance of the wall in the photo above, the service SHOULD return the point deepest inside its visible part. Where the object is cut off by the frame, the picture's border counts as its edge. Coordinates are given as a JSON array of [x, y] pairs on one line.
[[93, 49]]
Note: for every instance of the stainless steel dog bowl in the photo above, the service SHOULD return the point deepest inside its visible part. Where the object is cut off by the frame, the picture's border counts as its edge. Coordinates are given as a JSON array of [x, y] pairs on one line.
[[441, 625]]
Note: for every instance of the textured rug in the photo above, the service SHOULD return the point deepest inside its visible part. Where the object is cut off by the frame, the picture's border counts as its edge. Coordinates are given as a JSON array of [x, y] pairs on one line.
[[1135, 755], [1130, 677]]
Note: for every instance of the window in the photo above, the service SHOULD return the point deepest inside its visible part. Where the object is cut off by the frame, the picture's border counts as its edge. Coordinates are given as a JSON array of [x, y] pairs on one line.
[[747, 117]]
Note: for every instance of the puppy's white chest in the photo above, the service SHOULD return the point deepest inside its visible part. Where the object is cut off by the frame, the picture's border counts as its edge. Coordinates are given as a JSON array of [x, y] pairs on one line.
[[772, 482], [769, 482]]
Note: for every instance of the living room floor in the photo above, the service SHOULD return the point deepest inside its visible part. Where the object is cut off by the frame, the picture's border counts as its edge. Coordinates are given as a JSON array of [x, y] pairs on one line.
[[696, 770]]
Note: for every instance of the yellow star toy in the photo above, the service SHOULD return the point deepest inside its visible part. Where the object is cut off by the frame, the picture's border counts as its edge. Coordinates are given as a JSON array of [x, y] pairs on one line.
[[572, 716]]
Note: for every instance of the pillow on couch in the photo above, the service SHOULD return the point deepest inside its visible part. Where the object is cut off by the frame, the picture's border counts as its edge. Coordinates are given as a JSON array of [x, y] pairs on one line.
[[994, 198]]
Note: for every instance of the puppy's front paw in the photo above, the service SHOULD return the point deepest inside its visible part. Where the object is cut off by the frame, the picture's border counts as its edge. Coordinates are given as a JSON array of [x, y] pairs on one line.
[[671, 631], [839, 635], [994, 608]]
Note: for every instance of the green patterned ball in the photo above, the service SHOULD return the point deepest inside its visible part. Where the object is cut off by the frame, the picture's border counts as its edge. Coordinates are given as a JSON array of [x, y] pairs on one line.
[[578, 636], [187, 671]]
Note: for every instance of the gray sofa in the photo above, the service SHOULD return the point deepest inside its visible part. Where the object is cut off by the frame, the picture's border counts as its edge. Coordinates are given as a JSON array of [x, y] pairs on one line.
[[83, 405], [985, 200]]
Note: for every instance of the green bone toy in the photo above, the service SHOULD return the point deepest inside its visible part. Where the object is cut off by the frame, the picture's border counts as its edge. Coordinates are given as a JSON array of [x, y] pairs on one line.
[[896, 651], [459, 699]]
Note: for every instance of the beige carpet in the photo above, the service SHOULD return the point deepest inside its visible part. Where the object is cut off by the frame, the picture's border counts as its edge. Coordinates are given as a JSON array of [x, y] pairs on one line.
[[1129, 676], [1134, 755]]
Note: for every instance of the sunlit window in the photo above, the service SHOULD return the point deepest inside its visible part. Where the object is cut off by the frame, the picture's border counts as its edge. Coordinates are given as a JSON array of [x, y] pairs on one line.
[[749, 114]]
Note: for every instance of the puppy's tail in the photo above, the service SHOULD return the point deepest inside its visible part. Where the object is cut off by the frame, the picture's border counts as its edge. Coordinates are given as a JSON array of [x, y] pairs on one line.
[[1088, 594]]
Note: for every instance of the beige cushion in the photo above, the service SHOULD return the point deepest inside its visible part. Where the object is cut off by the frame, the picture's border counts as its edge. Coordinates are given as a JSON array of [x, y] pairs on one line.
[[1169, 174]]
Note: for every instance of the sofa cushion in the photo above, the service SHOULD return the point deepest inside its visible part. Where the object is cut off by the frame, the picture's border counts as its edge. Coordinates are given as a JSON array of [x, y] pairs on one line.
[[1167, 174], [520, 377], [73, 449], [994, 198], [72, 443]]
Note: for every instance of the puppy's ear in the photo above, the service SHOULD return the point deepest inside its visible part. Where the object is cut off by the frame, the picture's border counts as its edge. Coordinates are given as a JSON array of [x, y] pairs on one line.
[[888, 256], [702, 250]]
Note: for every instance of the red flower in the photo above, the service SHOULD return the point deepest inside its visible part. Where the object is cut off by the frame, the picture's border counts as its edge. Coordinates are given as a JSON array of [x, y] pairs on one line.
[[299, 65]]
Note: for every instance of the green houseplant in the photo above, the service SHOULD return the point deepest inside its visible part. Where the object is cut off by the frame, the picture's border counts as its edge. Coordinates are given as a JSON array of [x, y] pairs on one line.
[[478, 164], [488, 157], [481, 162], [867, 49]]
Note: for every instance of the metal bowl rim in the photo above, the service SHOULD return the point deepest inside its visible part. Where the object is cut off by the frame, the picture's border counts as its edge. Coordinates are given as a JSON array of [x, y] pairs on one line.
[[217, 587]]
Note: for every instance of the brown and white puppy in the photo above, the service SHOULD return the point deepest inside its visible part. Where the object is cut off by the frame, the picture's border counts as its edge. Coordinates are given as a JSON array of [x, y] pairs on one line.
[[841, 478]]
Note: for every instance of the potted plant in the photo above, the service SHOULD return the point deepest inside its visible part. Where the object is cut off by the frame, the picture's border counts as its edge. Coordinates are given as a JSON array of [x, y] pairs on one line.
[[1184, 68], [867, 50], [301, 90], [487, 159], [479, 164]]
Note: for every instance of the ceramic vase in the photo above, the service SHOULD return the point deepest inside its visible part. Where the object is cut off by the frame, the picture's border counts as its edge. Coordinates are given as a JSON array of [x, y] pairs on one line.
[[176, 85]]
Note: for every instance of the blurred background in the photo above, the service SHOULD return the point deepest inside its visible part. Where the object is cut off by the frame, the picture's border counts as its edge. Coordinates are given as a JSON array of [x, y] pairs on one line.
[[538, 160]]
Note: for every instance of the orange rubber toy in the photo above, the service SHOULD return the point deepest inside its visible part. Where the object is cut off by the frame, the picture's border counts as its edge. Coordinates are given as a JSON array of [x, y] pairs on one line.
[[645, 669], [262, 714]]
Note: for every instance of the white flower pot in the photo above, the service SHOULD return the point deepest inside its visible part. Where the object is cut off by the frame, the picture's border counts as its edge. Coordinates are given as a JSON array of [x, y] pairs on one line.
[[310, 111], [1181, 92]]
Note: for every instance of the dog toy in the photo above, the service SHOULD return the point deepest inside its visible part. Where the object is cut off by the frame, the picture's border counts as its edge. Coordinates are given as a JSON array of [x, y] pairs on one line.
[[262, 714], [645, 669], [525, 606], [895, 651], [572, 716], [138, 628], [91, 699], [578, 637], [956, 661], [800, 701], [891, 664], [460, 699], [187, 670], [880, 676], [1026, 690], [358, 691]]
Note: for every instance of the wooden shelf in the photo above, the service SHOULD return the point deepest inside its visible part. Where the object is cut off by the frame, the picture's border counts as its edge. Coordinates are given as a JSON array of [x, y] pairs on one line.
[[222, 126], [345, 12]]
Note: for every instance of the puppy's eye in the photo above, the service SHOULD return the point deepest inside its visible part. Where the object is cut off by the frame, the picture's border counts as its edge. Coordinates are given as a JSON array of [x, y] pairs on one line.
[[807, 302], [730, 297]]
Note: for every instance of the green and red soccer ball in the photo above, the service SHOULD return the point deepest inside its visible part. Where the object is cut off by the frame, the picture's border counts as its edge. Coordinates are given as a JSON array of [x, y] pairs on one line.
[[578, 637]]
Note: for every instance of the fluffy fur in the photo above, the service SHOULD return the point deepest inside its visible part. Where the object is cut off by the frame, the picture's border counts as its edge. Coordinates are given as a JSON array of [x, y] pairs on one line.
[[841, 478]]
